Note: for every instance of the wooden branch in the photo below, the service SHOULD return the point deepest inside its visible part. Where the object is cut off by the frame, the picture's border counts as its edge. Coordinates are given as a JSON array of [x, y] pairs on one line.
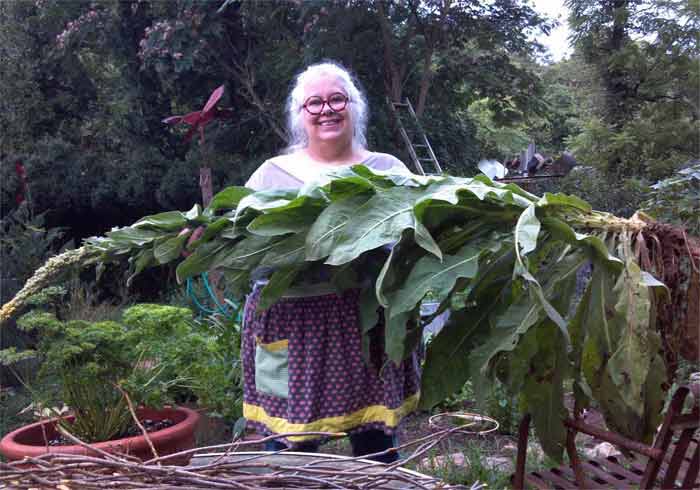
[[138, 422]]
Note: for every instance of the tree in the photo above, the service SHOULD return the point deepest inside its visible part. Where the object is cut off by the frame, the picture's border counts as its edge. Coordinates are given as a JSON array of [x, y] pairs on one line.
[[645, 59]]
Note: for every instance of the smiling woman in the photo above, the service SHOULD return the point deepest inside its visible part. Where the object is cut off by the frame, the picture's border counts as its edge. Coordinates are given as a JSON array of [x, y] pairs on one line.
[[303, 366]]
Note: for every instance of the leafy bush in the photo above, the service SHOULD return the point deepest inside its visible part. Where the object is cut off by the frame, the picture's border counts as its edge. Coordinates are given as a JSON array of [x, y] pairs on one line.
[[25, 244], [204, 354], [604, 192], [155, 353], [497, 404], [677, 199]]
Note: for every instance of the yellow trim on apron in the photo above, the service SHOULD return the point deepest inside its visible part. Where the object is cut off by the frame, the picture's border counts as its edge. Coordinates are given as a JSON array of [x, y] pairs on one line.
[[340, 424], [273, 346]]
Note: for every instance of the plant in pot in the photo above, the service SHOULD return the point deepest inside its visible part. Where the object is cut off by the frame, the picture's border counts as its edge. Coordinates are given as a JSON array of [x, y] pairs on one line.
[[110, 376]]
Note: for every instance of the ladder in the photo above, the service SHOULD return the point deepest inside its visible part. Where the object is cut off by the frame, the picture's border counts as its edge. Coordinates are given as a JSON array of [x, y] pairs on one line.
[[414, 137]]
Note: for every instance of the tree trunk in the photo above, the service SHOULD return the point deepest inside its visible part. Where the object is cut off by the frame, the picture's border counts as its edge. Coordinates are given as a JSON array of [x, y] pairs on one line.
[[617, 90], [426, 78], [392, 73]]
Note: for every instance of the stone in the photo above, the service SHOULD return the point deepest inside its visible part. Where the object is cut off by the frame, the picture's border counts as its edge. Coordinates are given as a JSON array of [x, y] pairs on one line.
[[511, 449], [534, 452], [455, 459], [499, 463], [602, 450]]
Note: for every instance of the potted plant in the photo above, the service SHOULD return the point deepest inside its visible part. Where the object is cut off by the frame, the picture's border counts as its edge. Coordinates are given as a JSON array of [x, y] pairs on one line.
[[110, 374]]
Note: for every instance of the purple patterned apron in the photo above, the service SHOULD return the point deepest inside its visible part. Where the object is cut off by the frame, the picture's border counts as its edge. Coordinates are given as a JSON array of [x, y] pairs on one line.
[[303, 370]]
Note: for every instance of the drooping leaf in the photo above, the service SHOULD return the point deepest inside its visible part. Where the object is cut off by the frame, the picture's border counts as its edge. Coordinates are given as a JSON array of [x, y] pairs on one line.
[[237, 283], [322, 237], [279, 282], [168, 221], [170, 249], [380, 221], [288, 251], [543, 390], [430, 274], [229, 198], [446, 366], [141, 261], [395, 335], [200, 261]]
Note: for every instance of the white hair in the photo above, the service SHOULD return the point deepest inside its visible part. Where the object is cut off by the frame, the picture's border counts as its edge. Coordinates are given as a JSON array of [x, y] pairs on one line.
[[357, 104]]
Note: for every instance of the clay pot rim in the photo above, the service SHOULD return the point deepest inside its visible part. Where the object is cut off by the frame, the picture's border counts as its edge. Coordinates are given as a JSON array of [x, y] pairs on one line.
[[8, 442]]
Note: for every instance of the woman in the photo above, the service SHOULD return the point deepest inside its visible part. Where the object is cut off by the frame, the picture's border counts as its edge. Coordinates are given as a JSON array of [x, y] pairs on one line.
[[302, 363]]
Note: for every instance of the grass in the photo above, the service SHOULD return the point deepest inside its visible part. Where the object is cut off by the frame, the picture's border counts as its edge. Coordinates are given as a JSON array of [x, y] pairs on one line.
[[472, 470]]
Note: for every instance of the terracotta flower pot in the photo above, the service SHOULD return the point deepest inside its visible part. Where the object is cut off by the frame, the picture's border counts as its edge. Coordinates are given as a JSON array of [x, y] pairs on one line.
[[29, 440]]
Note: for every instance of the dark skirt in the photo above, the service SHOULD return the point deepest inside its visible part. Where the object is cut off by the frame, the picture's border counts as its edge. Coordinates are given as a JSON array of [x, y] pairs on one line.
[[303, 370]]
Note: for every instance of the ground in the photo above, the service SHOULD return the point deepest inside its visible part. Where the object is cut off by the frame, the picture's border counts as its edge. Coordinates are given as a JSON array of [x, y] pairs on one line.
[[488, 459]]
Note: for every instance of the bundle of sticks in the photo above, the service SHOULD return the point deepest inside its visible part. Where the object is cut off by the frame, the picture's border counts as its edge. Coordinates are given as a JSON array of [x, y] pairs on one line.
[[228, 468]]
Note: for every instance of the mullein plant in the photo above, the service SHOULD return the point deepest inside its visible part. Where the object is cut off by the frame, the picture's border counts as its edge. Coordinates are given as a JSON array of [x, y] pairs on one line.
[[503, 260]]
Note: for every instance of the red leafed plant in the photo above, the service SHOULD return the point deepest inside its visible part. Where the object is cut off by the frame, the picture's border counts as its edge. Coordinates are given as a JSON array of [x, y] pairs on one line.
[[197, 121]]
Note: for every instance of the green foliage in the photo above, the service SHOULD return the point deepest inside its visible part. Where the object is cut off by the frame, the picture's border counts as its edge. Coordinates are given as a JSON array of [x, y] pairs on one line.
[[603, 191], [156, 353], [189, 359], [25, 244], [677, 199], [505, 261], [636, 69], [474, 471], [499, 142]]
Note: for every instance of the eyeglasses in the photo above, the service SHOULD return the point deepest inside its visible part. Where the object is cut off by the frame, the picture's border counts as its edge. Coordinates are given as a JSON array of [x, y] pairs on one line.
[[336, 102]]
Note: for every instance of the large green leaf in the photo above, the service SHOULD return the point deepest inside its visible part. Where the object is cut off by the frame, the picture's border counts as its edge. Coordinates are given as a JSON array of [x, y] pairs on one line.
[[248, 253], [131, 237], [565, 201], [293, 217], [430, 274], [324, 233], [380, 221], [170, 249], [201, 259], [275, 224], [229, 198], [543, 390], [286, 252], [395, 335], [279, 282], [141, 261], [448, 355], [212, 231], [237, 283], [594, 244], [168, 221]]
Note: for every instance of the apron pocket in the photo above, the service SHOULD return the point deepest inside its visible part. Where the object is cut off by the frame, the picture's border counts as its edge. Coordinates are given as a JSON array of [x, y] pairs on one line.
[[272, 368]]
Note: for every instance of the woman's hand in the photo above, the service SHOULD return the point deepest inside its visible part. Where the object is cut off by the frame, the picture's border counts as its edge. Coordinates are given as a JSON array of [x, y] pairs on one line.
[[196, 235]]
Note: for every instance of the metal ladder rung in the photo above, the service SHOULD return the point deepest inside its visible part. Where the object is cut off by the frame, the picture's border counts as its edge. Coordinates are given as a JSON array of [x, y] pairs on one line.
[[410, 120]]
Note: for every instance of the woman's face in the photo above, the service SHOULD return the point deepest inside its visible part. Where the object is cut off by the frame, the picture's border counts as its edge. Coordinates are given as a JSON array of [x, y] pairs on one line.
[[329, 126]]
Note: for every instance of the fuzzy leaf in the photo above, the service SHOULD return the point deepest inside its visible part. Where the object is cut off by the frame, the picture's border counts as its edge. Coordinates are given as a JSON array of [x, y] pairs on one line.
[[279, 282], [168, 221], [430, 274], [170, 249], [380, 221], [229, 198]]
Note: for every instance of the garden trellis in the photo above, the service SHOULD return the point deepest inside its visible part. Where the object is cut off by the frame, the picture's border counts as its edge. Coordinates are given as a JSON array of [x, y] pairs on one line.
[[503, 260]]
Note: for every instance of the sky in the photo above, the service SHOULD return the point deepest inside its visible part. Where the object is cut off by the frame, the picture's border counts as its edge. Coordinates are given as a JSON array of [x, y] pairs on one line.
[[556, 42]]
